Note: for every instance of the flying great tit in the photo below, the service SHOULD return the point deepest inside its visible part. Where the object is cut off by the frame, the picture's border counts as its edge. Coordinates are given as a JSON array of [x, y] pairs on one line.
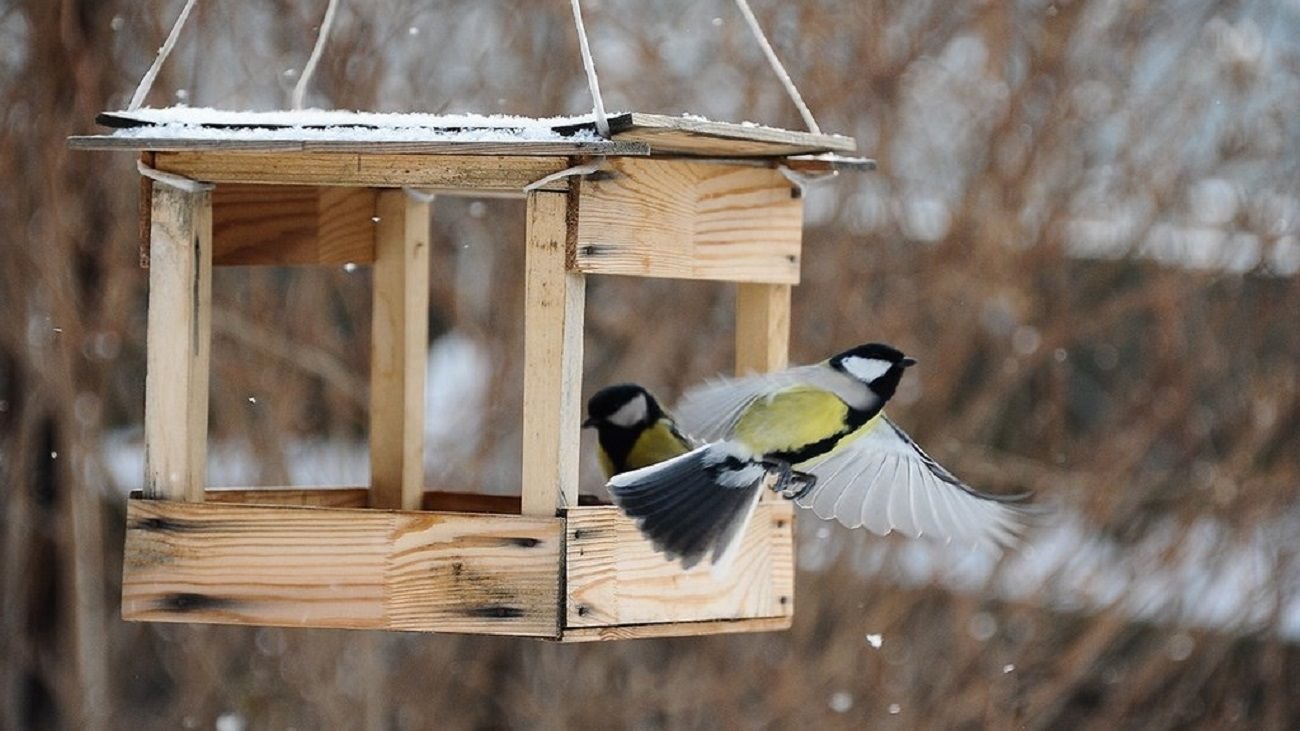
[[632, 430], [817, 434]]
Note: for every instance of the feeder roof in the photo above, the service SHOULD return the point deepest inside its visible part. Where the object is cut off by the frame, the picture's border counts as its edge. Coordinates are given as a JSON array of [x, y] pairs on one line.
[[315, 130]]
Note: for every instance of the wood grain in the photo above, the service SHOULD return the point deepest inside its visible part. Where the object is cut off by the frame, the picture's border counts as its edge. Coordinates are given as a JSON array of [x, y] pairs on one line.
[[615, 577], [762, 328], [438, 173], [144, 210], [280, 225], [358, 497], [689, 220], [553, 320], [356, 569], [328, 497], [399, 351], [178, 344], [676, 629]]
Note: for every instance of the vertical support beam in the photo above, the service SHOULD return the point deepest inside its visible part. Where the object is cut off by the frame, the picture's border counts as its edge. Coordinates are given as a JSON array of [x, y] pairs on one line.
[[762, 327], [178, 342], [553, 317], [399, 348]]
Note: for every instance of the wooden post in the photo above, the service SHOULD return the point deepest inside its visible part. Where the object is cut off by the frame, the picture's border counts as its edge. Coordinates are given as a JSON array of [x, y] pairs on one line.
[[762, 327], [398, 351], [178, 341], [553, 318]]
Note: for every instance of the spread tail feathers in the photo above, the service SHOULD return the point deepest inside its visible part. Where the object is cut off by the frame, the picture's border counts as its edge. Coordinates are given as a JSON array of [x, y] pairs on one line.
[[693, 504]]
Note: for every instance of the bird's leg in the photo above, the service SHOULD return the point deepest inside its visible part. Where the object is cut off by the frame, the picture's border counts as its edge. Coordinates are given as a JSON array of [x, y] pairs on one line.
[[800, 484], [790, 483], [782, 470]]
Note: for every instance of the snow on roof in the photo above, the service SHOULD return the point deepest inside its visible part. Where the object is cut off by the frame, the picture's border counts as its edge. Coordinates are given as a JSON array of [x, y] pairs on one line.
[[526, 127], [194, 128]]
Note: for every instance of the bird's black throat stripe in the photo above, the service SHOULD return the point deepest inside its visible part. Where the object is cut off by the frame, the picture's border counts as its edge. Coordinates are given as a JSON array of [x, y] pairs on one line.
[[854, 419], [617, 442]]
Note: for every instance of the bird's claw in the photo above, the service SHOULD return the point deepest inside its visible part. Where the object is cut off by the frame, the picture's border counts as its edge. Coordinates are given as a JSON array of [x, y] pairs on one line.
[[790, 483], [798, 484]]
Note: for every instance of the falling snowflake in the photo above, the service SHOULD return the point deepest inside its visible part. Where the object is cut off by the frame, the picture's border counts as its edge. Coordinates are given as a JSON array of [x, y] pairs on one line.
[[875, 640], [1009, 667], [841, 702], [350, 267], [895, 709], [252, 399]]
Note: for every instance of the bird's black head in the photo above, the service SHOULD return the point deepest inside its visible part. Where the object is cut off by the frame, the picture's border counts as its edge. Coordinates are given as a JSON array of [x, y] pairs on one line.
[[878, 365], [624, 406]]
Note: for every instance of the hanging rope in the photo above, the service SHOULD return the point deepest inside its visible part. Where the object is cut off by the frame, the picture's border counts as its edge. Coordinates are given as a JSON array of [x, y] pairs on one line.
[[146, 82], [602, 122], [300, 88], [776, 66]]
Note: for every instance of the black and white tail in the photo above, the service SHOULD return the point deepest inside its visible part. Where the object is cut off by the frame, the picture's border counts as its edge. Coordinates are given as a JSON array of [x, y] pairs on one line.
[[694, 504]]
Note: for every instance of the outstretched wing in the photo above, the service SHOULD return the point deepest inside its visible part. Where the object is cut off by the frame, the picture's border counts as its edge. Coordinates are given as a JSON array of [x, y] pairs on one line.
[[709, 412], [878, 478], [694, 504]]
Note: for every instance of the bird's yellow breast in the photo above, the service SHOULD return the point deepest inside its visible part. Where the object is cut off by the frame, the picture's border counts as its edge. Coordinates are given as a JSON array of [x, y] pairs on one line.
[[656, 444], [653, 445], [790, 419]]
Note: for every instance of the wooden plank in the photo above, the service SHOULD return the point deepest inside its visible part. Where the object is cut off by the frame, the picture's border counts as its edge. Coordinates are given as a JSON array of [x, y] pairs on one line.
[[504, 148], [553, 319], [689, 220], [762, 328], [829, 163], [667, 134], [437, 172], [695, 136], [615, 577], [279, 225], [329, 497], [399, 351], [144, 210], [328, 567], [676, 629], [358, 497], [178, 342]]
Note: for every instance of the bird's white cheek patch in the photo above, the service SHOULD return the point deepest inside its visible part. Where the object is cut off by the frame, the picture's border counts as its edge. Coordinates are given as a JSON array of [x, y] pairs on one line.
[[631, 413], [866, 369]]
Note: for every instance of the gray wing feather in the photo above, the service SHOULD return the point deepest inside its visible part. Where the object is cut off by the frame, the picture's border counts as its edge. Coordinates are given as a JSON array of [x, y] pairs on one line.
[[882, 480]]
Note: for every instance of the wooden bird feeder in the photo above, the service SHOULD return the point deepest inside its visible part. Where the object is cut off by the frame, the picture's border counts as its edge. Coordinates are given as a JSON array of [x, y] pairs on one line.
[[662, 197]]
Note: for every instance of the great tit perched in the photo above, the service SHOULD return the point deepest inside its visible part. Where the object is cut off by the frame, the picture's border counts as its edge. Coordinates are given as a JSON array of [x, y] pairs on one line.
[[819, 435], [632, 430]]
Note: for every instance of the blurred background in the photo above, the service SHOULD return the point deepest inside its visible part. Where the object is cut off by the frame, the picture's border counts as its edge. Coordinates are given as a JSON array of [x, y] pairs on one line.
[[1086, 225]]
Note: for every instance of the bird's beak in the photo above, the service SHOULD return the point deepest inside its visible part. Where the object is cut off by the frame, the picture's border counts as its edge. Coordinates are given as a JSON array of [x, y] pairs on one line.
[[907, 361], [588, 423]]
